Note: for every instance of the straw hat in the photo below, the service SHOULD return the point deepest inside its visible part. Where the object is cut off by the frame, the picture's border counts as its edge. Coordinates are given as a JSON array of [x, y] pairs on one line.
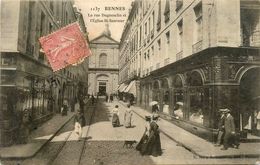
[[224, 110]]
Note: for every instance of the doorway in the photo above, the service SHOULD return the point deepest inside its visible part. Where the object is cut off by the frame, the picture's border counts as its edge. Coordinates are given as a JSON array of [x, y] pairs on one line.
[[250, 101], [102, 88]]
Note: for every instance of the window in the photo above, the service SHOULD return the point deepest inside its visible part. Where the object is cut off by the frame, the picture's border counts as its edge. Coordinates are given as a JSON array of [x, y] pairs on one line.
[[145, 29], [198, 14], [51, 5], [167, 11], [103, 60], [42, 29], [167, 37], [179, 39], [159, 44], [140, 39], [152, 50], [159, 16], [179, 4]]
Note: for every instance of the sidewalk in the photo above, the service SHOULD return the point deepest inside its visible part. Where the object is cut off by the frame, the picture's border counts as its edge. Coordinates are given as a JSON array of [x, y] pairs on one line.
[[37, 138], [197, 145]]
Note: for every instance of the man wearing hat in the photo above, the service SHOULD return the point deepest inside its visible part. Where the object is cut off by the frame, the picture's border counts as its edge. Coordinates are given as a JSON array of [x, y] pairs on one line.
[[221, 128], [229, 126]]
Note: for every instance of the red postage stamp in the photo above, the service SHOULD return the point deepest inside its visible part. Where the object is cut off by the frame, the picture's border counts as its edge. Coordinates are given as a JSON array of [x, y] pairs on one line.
[[65, 47]]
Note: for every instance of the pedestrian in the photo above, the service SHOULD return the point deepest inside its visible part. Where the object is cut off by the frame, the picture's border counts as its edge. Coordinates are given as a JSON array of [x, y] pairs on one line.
[[221, 128], [106, 97], [111, 98], [229, 126], [155, 108], [132, 98], [153, 144], [178, 112], [142, 145], [128, 116], [115, 117], [64, 108], [92, 99], [79, 122]]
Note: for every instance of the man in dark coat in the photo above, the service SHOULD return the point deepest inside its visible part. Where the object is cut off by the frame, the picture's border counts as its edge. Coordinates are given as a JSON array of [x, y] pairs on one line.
[[155, 108], [229, 126], [221, 128]]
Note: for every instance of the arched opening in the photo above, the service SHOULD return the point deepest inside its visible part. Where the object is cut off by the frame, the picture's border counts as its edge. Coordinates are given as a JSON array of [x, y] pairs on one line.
[[250, 101], [156, 91], [178, 96], [103, 60], [102, 85], [196, 97]]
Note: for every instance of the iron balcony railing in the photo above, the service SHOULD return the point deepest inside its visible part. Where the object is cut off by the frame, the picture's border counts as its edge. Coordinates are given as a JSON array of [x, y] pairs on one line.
[[197, 47], [179, 55]]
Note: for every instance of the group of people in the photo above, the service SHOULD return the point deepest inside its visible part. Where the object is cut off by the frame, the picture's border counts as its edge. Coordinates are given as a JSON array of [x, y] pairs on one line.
[[109, 98], [127, 117], [226, 131], [150, 143]]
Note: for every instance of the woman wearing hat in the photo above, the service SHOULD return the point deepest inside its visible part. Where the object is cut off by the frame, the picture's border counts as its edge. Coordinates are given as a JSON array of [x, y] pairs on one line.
[[142, 145], [152, 146], [128, 116], [115, 118]]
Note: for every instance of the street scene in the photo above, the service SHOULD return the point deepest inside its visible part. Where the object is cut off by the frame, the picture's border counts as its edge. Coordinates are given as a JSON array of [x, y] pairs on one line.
[[130, 82], [106, 146]]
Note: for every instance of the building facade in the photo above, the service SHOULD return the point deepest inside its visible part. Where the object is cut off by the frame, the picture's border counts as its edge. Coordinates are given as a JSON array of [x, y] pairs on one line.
[[202, 54], [30, 91], [103, 65]]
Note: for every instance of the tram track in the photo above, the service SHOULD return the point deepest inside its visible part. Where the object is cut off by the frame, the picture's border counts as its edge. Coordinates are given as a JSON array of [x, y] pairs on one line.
[[59, 150]]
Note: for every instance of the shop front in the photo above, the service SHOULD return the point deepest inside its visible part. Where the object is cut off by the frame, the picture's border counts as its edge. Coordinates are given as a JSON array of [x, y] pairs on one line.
[[202, 84]]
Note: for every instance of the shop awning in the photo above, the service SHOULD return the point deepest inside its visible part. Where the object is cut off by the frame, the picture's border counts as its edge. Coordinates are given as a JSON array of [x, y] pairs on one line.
[[131, 88], [122, 87]]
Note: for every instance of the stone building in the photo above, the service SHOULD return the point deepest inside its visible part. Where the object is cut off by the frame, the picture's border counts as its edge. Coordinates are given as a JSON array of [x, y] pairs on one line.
[[30, 91], [103, 64], [202, 54]]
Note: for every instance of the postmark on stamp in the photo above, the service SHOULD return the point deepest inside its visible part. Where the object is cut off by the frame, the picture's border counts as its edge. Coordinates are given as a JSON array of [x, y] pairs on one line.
[[65, 47]]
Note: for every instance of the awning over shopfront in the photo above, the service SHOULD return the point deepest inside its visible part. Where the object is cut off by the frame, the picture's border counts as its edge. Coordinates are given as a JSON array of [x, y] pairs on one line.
[[122, 87], [131, 88]]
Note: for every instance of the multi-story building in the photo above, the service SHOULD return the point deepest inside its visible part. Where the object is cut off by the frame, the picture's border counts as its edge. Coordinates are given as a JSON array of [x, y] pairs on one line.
[[203, 54], [30, 91], [103, 65]]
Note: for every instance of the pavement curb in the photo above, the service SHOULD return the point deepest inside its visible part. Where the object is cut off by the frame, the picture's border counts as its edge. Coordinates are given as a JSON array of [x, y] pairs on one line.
[[194, 152], [30, 156]]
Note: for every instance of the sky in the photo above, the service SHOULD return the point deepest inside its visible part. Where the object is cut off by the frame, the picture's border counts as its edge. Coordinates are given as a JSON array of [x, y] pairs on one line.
[[92, 8]]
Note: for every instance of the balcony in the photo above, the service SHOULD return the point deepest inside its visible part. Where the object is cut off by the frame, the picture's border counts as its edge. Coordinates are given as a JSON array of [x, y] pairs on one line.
[[30, 49], [197, 47], [151, 68], [166, 61], [251, 40], [152, 33], [158, 65], [158, 25], [144, 41], [148, 38], [179, 55]]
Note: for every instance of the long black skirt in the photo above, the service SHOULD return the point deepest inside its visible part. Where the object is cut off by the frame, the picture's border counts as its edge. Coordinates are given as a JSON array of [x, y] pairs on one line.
[[115, 121]]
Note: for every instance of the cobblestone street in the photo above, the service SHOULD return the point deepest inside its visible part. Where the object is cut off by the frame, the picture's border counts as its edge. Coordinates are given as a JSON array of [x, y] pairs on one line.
[[103, 144]]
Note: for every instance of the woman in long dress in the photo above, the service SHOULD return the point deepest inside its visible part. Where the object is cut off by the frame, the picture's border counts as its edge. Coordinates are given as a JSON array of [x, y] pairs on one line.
[[115, 118], [128, 117], [142, 145], [151, 144]]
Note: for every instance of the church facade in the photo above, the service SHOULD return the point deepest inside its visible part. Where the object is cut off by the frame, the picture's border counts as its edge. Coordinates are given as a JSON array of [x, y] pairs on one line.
[[103, 65]]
